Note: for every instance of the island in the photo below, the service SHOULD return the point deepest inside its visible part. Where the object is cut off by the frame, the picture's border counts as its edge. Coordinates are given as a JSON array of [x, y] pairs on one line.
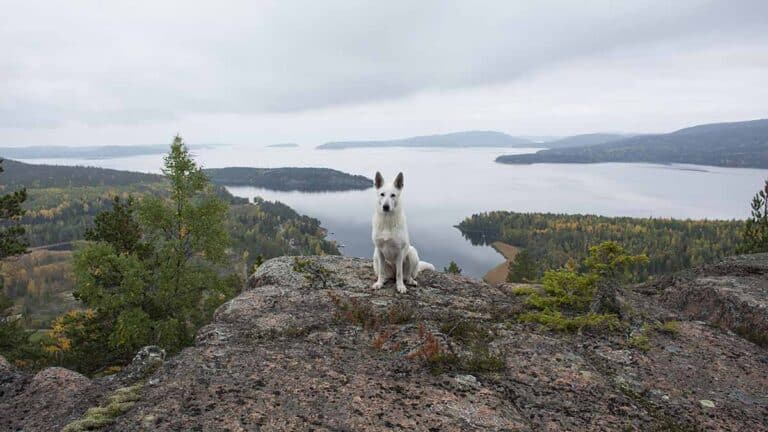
[[739, 144], [468, 139], [289, 179], [283, 145]]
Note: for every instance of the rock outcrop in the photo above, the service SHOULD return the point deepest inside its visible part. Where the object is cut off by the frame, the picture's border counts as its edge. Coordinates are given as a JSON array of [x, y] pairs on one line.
[[321, 350], [732, 294]]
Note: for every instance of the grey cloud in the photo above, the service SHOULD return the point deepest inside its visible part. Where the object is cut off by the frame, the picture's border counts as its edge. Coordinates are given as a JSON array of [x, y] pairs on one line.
[[107, 63]]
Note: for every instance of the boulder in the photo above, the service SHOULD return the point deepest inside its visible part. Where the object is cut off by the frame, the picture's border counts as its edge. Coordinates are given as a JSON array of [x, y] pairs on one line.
[[46, 402], [732, 294]]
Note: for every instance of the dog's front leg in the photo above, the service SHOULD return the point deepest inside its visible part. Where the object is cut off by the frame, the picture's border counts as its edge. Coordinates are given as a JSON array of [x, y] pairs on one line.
[[379, 268], [399, 272]]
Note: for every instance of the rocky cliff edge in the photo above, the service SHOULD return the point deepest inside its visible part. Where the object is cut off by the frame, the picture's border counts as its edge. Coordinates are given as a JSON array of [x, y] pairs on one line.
[[310, 346]]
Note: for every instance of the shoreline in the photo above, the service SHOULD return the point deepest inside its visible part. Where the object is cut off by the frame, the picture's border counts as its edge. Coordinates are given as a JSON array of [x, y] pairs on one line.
[[498, 274]]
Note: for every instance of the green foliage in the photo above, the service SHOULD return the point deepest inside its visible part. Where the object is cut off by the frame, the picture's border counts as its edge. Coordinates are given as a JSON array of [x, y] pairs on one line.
[[315, 273], [271, 229], [477, 337], [564, 288], [640, 341], [481, 359], [669, 327], [522, 268], [609, 260], [118, 227], [80, 340], [556, 321], [523, 290], [755, 235], [452, 268], [161, 283], [12, 242], [552, 240], [257, 262], [564, 305], [11, 334]]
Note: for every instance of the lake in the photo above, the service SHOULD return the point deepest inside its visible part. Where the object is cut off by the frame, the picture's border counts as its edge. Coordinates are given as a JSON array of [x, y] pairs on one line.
[[443, 186]]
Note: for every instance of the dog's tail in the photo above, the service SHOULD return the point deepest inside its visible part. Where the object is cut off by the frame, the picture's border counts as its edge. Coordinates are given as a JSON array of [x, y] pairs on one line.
[[423, 265]]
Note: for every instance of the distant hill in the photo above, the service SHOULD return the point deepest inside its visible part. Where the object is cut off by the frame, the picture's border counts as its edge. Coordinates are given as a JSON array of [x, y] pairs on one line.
[[583, 140], [451, 140], [739, 144], [283, 145], [289, 179], [20, 174], [88, 152]]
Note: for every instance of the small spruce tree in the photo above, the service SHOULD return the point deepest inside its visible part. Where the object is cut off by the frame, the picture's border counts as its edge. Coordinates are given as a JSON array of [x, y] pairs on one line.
[[452, 268], [151, 273], [755, 237]]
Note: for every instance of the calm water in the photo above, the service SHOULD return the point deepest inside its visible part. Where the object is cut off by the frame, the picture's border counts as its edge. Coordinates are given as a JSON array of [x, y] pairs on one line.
[[442, 186]]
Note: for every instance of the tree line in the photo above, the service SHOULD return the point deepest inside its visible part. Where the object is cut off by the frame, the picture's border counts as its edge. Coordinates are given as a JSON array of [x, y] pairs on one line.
[[551, 241]]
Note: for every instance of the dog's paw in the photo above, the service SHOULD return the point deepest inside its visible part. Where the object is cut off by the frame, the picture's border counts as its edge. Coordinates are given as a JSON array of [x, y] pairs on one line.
[[412, 282], [377, 285], [401, 288]]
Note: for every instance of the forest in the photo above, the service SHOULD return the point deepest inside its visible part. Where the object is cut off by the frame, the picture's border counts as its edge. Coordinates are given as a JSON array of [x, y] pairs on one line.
[[40, 283], [63, 201], [147, 259], [289, 179], [554, 240]]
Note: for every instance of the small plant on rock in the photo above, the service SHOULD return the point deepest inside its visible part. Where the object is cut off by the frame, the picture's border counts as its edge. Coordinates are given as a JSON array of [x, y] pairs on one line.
[[477, 337], [97, 418], [432, 353], [315, 273], [452, 268], [640, 341], [669, 327], [574, 300]]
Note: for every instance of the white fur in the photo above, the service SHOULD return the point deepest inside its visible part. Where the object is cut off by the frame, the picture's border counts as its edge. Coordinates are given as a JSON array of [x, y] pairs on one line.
[[393, 256]]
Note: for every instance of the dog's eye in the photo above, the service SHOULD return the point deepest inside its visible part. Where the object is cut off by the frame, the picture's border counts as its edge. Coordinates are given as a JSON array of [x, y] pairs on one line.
[[393, 195], [382, 194]]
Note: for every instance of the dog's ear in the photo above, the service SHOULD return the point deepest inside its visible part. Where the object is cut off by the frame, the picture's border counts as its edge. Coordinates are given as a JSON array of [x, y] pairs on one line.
[[378, 180], [399, 181]]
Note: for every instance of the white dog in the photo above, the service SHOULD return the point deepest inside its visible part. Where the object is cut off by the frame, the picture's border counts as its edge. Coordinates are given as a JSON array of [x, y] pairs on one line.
[[393, 256]]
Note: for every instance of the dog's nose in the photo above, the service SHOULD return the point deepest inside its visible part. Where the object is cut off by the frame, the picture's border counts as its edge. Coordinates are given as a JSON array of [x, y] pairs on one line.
[[386, 207]]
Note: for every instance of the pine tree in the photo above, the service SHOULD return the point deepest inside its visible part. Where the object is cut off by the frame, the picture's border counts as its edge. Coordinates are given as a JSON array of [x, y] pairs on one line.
[[452, 268], [755, 236], [12, 242], [118, 227], [522, 268], [162, 281]]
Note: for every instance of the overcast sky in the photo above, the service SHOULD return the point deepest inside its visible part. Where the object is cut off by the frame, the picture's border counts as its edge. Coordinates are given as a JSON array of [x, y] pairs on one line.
[[261, 72]]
